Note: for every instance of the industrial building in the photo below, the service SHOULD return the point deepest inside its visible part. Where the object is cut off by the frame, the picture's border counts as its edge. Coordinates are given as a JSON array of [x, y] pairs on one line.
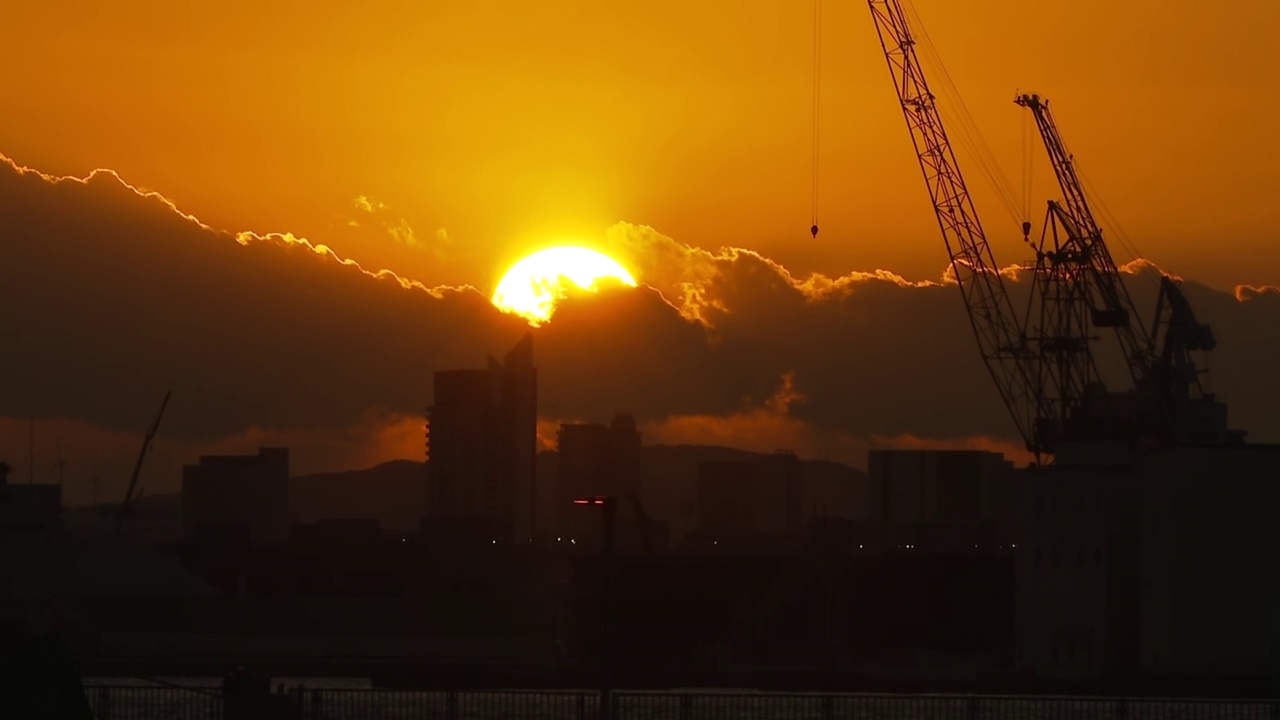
[[1154, 564], [243, 496], [482, 451]]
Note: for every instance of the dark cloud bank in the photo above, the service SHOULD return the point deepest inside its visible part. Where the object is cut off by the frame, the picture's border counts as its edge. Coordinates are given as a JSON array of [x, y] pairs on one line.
[[110, 295]]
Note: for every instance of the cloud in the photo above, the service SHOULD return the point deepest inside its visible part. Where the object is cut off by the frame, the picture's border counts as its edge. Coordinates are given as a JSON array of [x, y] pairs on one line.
[[112, 295], [1138, 266], [766, 426], [697, 281], [548, 432], [122, 297], [370, 206], [1251, 292], [381, 216], [1012, 450]]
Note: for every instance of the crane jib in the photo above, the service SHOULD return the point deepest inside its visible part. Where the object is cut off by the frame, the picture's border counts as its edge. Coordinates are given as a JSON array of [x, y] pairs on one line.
[[1000, 335]]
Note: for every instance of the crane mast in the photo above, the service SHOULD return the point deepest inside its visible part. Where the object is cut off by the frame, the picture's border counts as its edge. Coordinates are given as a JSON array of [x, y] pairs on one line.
[[1000, 338], [1058, 325]]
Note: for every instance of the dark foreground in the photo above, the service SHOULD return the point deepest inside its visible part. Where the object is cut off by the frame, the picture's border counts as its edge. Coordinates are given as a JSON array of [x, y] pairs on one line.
[[402, 674], [299, 703]]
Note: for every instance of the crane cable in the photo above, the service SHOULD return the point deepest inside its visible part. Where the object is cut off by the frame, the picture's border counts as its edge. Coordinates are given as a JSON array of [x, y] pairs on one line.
[[817, 96], [1026, 171], [968, 135], [1028, 178]]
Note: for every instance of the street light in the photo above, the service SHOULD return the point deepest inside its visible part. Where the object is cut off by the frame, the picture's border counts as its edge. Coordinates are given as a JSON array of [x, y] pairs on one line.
[[610, 507]]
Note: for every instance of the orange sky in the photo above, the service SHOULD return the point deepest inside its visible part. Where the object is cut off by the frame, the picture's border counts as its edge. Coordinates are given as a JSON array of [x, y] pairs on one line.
[[486, 128]]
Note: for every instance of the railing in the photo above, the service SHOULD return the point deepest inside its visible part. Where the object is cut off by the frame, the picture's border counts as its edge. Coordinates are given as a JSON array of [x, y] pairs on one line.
[[178, 703], [160, 701]]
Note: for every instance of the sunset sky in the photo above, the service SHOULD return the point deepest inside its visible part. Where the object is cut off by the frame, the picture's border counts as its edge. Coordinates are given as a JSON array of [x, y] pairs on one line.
[[489, 127], [443, 141]]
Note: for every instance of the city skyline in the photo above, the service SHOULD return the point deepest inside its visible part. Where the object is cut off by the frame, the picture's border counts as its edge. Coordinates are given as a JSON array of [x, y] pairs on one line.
[[580, 360]]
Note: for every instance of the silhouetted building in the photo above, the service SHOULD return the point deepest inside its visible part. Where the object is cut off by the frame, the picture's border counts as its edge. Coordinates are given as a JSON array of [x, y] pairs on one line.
[[1155, 563], [338, 534], [238, 495], [28, 509], [833, 490], [939, 500], [751, 498], [482, 450], [595, 460]]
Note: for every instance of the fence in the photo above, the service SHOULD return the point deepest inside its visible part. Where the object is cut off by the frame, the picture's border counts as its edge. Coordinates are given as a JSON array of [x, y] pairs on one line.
[[144, 703]]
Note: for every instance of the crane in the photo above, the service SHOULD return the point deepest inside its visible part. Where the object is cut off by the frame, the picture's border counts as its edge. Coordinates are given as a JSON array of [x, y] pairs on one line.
[[1086, 258], [1009, 357], [1172, 402], [137, 467]]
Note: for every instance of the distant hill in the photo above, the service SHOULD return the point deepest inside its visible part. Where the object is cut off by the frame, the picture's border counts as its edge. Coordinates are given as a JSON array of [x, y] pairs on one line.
[[393, 492]]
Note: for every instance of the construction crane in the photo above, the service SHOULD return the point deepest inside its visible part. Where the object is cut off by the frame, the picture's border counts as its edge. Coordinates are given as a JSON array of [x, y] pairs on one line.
[[1086, 258], [1172, 404], [1008, 356], [126, 506]]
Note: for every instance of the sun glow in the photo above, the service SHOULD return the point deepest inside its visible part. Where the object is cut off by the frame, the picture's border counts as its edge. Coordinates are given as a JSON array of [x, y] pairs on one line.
[[532, 286]]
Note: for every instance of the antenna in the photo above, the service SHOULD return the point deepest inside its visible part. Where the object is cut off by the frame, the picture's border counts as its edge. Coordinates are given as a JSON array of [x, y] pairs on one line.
[[59, 463]]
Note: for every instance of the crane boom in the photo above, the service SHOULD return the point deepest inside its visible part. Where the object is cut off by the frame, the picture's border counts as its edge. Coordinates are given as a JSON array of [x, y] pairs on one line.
[[1000, 339], [137, 467]]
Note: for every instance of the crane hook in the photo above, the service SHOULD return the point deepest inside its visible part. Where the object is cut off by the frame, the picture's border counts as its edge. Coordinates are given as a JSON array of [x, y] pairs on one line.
[[814, 231]]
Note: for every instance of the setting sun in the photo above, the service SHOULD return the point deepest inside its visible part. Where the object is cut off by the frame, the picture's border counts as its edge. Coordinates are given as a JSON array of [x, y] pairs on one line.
[[532, 286]]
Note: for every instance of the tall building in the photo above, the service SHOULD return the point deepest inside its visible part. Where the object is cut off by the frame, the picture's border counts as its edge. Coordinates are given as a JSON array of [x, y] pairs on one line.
[[595, 460], [482, 450], [249, 492]]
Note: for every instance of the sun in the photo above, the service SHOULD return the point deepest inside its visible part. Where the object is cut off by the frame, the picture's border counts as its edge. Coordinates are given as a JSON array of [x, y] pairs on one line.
[[532, 286]]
